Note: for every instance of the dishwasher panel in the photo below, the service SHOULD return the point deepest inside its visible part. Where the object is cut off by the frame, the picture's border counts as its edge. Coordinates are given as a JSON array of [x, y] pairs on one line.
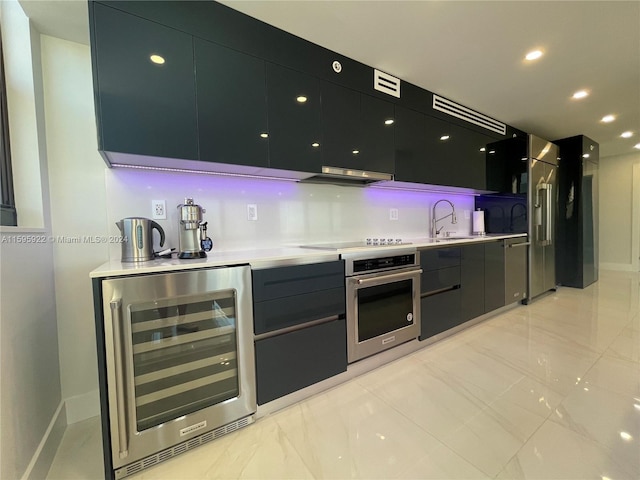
[[515, 256]]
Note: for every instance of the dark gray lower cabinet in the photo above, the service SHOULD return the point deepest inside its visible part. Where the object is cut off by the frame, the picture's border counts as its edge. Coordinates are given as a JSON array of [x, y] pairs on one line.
[[440, 312], [483, 278], [472, 282], [289, 362], [440, 307], [299, 323], [494, 275]]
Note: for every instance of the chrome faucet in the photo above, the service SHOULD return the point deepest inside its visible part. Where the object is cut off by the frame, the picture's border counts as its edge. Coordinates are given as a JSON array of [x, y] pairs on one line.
[[434, 221]]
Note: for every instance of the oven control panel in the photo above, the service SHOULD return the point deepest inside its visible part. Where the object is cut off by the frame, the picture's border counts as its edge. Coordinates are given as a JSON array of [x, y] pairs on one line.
[[383, 263]]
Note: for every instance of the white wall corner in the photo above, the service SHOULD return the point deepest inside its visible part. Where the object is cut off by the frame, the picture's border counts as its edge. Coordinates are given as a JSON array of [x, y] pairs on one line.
[[45, 453], [83, 406]]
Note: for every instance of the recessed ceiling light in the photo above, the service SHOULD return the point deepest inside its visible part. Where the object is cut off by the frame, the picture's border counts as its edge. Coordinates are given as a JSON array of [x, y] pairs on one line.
[[637, 145], [355, 152], [315, 145], [483, 149], [627, 134], [580, 94], [626, 436], [301, 99], [533, 55], [157, 59], [388, 121], [608, 118], [264, 135], [586, 155], [444, 137]]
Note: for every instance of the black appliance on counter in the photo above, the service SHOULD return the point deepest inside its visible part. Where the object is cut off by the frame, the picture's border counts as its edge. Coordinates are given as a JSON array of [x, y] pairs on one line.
[[577, 226]]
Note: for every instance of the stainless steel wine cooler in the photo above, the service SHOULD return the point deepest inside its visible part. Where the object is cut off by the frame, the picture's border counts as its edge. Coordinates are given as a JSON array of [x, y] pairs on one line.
[[178, 363]]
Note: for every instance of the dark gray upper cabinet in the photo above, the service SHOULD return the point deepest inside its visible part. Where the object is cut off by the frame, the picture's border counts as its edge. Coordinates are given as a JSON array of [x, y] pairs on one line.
[[232, 106], [295, 124], [410, 145], [357, 130], [341, 118], [377, 124], [456, 155], [227, 93], [143, 107], [507, 165], [433, 151]]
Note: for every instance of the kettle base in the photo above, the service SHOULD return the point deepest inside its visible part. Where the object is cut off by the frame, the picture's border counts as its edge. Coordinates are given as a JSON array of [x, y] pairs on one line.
[[188, 255]]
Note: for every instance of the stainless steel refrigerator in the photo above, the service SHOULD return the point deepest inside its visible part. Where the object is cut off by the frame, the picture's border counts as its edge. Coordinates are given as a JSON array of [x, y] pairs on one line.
[[542, 201]]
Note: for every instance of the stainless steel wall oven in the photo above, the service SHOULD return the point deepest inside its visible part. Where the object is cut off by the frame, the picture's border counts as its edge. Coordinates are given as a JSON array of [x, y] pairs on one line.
[[383, 300], [178, 363]]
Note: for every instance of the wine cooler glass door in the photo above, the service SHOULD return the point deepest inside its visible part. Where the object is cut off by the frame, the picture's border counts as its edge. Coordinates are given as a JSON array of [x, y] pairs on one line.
[[179, 357]]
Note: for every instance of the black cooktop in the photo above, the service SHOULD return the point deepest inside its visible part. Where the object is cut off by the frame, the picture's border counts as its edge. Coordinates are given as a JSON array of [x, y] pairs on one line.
[[355, 244]]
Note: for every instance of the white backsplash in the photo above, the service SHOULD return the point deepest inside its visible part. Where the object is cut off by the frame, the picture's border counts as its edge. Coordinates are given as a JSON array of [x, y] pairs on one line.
[[289, 213]]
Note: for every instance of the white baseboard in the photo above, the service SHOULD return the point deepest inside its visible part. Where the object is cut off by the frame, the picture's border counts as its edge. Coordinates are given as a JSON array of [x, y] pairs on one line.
[[83, 406], [43, 457], [618, 267]]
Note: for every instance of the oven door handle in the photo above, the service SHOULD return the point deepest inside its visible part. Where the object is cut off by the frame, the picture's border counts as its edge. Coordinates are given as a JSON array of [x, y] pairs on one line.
[[116, 319], [389, 277]]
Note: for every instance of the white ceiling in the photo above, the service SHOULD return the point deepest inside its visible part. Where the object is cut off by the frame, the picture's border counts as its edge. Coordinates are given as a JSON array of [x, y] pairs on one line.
[[469, 51]]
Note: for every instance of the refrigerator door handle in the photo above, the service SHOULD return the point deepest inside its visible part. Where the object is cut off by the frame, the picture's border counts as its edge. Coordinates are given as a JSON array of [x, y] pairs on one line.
[[538, 222], [549, 214], [116, 318], [544, 217]]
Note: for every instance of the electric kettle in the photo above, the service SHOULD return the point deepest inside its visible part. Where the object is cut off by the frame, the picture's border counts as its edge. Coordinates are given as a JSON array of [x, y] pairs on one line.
[[137, 233]]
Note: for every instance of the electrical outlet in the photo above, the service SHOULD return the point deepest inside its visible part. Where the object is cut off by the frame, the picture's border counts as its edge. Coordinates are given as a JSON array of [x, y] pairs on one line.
[[467, 214], [159, 209], [252, 212], [393, 214]]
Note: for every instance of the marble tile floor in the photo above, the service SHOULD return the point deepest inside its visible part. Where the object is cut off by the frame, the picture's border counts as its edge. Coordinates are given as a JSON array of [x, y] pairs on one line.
[[545, 391]]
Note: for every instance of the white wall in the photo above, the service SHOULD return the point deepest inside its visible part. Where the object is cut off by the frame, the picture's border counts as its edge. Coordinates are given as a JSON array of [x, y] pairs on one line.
[[616, 200], [289, 213], [30, 393], [78, 207]]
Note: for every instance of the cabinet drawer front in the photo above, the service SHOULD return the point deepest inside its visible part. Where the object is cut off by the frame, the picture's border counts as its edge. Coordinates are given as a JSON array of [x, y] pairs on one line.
[[439, 313], [285, 312], [440, 279], [435, 258], [289, 362], [281, 282]]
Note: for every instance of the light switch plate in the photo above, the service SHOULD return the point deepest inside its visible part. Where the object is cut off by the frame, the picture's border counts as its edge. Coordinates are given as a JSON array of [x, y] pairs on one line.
[[393, 214]]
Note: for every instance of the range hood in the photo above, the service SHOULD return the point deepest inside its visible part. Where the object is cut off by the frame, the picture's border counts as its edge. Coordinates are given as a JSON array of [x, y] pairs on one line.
[[329, 175], [347, 176]]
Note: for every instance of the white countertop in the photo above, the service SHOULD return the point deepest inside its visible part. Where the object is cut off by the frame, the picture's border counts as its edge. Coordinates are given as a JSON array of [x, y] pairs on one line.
[[261, 258]]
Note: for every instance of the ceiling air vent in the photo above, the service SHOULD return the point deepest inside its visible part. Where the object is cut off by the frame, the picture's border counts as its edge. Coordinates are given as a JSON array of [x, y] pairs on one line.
[[459, 111], [385, 83]]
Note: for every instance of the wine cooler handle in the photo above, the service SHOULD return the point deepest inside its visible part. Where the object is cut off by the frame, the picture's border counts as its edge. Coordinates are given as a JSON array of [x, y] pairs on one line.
[[118, 355]]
